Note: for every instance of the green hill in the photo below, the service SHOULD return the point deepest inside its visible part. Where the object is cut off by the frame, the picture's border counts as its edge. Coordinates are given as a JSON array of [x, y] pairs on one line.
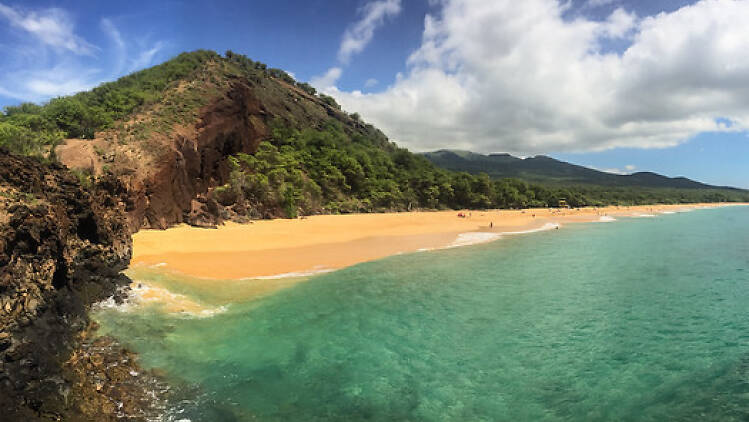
[[203, 138], [546, 170]]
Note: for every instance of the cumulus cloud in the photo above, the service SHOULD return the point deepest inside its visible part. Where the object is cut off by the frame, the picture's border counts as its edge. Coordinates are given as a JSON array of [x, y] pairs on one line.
[[358, 35], [628, 169], [518, 77], [612, 170], [619, 24], [327, 81], [56, 60]]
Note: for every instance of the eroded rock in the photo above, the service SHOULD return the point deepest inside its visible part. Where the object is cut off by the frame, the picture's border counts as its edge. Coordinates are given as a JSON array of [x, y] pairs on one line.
[[62, 248]]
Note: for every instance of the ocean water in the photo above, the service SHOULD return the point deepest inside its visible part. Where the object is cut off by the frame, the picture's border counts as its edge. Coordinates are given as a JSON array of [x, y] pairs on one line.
[[642, 319]]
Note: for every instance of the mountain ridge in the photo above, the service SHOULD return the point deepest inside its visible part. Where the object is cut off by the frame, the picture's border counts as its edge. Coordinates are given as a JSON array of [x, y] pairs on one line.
[[204, 138], [199, 139], [548, 170]]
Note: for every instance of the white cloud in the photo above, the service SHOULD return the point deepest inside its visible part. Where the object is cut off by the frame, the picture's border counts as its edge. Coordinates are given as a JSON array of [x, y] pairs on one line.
[[53, 27], [355, 39], [145, 58], [56, 60], [515, 76], [43, 83], [619, 23], [48, 86], [612, 170], [327, 81], [119, 44], [629, 169], [358, 35], [371, 82]]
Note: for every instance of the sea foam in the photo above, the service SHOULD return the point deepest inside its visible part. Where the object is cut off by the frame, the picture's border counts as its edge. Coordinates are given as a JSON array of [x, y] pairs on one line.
[[473, 238], [140, 293], [606, 219], [545, 227], [292, 274]]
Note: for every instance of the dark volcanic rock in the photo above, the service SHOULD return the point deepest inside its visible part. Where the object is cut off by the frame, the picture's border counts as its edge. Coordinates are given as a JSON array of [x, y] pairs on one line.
[[62, 248], [106, 383]]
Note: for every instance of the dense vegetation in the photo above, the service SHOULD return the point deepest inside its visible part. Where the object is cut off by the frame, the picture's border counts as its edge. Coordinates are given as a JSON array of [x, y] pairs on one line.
[[582, 185], [337, 166], [325, 170], [31, 129], [548, 171]]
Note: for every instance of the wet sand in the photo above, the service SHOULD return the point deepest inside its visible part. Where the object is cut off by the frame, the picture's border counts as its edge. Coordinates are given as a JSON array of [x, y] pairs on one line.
[[281, 248]]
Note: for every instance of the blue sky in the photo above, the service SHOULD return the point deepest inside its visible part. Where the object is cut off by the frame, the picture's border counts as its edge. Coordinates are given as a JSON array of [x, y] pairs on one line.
[[617, 85], [302, 37]]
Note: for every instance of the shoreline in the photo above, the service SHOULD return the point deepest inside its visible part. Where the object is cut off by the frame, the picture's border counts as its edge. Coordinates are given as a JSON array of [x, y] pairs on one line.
[[273, 249]]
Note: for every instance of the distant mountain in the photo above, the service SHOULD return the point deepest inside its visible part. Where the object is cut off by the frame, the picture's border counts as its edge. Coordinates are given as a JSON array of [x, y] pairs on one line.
[[547, 170], [203, 138]]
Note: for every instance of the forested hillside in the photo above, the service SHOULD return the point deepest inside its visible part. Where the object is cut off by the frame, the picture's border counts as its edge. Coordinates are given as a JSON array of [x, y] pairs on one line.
[[205, 137], [546, 170]]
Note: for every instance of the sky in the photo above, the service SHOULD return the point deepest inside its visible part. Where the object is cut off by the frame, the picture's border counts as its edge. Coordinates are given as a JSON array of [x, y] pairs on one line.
[[617, 85]]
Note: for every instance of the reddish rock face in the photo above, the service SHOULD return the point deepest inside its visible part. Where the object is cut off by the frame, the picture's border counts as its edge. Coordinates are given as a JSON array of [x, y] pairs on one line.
[[195, 161], [171, 153], [162, 187]]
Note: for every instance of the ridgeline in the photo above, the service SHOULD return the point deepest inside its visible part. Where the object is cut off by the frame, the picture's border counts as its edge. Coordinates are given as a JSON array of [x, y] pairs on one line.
[[203, 138], [199, 139], [596, 186]]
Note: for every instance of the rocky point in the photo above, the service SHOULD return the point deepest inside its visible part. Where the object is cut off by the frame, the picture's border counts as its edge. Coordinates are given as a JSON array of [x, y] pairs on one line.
[[62, 248]]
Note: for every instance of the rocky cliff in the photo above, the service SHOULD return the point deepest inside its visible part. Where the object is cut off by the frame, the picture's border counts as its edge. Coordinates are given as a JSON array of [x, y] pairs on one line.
[[167, 175], [65, 235], [62, 247], [172, 153]]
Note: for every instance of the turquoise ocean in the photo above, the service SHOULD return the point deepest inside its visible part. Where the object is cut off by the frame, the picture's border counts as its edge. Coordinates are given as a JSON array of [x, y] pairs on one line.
[[642, 319]]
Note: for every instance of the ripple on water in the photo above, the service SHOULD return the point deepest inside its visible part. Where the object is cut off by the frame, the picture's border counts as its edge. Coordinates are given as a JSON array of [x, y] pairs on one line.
[[629, 321]]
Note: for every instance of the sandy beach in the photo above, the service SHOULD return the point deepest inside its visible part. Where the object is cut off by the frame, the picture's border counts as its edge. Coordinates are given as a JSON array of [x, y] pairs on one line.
[[282, 248]]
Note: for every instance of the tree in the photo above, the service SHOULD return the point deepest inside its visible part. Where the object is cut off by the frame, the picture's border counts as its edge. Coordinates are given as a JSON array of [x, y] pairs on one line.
[[21, 140], [309, 89], [327, 99]]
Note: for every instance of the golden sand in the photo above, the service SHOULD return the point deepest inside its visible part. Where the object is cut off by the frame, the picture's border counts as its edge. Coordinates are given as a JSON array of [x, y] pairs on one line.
[[270, 248]]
